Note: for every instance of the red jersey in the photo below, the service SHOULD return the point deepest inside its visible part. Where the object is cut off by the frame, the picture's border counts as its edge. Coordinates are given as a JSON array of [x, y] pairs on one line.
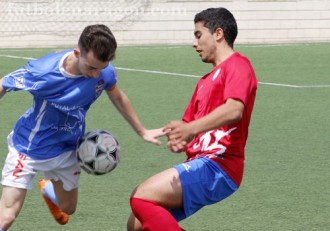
[[234, 78]]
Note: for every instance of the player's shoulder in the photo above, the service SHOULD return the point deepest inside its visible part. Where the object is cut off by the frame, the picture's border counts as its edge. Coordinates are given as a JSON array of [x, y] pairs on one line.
[[238, 57], [238, 60], [48, 62], [58, 54], [109, 76]]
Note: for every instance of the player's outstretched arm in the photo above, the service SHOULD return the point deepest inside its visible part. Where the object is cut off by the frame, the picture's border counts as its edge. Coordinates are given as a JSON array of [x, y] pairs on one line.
[[2, 90], [124, 106]]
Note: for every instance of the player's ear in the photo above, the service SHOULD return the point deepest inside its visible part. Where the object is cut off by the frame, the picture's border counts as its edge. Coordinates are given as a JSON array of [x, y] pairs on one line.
[[76, 52], [218, 33]]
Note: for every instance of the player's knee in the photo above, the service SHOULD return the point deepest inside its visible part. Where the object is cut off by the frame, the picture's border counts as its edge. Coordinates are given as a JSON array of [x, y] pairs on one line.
[[138, 192]]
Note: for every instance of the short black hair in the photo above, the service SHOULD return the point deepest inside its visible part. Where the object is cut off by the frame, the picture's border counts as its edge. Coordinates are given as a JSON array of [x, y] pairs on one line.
[[214, 18]]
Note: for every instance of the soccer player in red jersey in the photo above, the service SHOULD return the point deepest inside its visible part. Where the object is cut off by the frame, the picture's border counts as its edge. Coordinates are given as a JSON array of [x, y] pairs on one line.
[[213, 133]]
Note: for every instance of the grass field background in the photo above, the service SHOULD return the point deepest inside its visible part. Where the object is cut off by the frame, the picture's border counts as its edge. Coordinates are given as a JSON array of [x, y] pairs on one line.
[[286, 183]]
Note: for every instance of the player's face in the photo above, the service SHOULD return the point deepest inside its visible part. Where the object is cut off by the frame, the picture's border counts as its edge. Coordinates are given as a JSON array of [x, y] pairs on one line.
[[205, 43], [89, 65]]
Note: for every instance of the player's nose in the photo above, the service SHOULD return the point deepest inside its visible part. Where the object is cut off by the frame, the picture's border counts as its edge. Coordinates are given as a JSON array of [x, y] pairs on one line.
[[194, 43]]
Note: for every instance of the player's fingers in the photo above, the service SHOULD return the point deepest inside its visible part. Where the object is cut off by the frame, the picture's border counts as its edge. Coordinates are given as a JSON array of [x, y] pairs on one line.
[[174, 137], [156, 141], [166, 131], [171, 146], [157, 132], [172, 125], [176, 147]]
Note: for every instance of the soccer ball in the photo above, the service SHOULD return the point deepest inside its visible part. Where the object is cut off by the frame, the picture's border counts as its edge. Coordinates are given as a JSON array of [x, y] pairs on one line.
[[98, 152]]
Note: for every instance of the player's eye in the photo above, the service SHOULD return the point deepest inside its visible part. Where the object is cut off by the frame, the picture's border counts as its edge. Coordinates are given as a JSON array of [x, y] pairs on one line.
[[198, 35], [91, 68]]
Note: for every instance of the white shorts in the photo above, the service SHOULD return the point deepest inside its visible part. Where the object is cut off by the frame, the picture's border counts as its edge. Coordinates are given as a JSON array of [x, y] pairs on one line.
[[19, 170]]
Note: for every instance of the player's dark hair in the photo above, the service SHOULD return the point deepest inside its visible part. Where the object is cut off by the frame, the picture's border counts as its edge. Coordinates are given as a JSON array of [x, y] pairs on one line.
[[214, 18], [99, 39]]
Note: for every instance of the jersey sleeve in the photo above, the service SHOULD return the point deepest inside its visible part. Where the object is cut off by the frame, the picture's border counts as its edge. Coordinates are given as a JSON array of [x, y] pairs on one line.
[[20, 79], [239, 81], [110, 75], [32, 77], [26, 79]]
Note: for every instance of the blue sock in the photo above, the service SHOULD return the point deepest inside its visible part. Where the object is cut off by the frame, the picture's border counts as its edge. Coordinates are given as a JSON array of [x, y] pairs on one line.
[[50, 193]]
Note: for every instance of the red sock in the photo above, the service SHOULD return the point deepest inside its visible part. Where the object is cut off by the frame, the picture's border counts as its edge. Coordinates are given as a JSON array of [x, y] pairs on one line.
[[152, 216]]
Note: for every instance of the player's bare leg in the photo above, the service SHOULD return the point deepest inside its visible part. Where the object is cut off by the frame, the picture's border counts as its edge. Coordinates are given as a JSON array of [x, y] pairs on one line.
[[67, 200], [11, 203], [159, 192], [163, 188]]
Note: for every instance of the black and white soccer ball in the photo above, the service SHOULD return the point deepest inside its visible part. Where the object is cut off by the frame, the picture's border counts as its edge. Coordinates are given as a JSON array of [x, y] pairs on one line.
[[98, 152]]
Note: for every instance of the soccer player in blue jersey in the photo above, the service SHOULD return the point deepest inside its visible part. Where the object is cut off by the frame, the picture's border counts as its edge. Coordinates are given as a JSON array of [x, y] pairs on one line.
[[63, 85]]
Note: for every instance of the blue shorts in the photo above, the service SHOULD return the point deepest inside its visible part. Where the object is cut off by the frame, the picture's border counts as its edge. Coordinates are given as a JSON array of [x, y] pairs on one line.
[[203, 183]]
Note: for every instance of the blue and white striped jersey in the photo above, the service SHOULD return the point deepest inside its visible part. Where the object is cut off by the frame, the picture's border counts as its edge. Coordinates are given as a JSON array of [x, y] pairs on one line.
[[56, 120]]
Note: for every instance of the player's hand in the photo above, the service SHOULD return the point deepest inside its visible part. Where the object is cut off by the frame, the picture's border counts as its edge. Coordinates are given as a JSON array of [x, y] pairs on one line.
[[178, 134], [152, 135], [176, 147]]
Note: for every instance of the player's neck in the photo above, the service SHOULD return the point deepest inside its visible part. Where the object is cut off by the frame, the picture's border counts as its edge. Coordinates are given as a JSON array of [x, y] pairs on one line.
[[224, 54], [70, 65]]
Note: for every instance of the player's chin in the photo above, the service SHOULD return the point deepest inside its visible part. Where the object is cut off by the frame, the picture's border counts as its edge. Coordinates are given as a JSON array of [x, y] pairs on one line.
[[205, 60]]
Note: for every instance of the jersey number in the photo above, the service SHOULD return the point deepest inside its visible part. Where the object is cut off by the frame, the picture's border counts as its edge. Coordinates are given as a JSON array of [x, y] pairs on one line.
[[206, 144]]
